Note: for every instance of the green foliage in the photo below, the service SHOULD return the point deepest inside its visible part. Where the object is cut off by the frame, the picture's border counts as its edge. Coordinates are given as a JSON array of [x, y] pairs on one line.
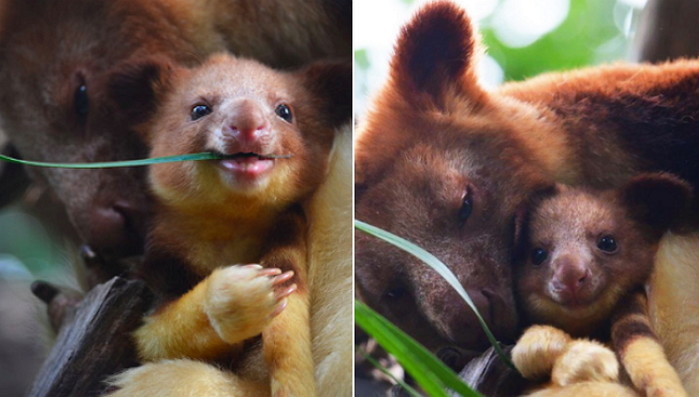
[[577, 42], [431, 374]]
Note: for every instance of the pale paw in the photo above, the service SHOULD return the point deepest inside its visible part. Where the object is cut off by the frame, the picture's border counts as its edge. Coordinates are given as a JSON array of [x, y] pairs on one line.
[[584, 361], [242, 300], [538, 349]]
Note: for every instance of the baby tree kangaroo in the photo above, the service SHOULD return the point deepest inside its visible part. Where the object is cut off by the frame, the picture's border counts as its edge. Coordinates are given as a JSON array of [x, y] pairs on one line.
[[583, 259], [228, 247]]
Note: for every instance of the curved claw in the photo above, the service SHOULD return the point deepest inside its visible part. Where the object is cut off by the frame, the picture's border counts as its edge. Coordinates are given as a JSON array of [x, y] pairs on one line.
[[280, 307], [281, 278], [285, 292]]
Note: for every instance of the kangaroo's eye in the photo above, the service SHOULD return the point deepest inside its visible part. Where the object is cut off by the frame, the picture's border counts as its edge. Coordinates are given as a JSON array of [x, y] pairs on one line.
[[539, 255], [200, 111], [607, 244], [81, 102], [466, 206], [284, 111]]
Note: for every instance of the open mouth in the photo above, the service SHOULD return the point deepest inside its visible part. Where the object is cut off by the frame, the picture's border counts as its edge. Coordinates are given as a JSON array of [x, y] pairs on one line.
[[249, 165]]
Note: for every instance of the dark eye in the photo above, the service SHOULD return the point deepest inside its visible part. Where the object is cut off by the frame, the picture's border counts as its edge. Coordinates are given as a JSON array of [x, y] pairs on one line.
[[607, 244], [200, 111], [466, 206], [80, 101], [284, 111], [539, 255], [396, 293]]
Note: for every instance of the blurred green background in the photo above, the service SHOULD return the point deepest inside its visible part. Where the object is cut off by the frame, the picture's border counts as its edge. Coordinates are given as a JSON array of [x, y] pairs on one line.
[[523, 37]]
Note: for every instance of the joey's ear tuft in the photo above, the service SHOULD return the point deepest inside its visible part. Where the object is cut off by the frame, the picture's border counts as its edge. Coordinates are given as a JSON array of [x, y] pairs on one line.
[[435, 51], [330, 83], [137, 87], [658, 200]]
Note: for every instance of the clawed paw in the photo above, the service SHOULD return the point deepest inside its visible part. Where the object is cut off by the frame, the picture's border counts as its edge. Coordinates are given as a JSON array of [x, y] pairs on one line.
[[538, 349], [242, 300], [585, 360]]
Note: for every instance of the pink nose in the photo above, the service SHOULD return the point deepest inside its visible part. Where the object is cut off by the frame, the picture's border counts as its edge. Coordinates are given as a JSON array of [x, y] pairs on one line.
[[570, 274], [247, 122]]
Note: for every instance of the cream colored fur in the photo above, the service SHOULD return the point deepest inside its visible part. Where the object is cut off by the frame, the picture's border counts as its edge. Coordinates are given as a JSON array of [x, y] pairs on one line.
[[239, 303], [330, 273], [673, 303], [330, 280]]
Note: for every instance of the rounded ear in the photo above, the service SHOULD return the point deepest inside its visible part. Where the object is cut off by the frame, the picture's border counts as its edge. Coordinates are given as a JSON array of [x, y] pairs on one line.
[[330, 84], [657, 199], [435, 53], [138, 86]]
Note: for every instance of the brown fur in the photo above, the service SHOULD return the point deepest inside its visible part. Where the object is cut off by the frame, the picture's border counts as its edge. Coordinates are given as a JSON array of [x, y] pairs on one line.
[[209, 217], [577, 284], [49, 49], [433, 135], [566, 276]]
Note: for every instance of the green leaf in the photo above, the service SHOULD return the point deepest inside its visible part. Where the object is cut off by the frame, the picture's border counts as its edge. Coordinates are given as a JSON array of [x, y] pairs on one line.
[[429, 372], [440, 268], [131, 163], [386, 372]]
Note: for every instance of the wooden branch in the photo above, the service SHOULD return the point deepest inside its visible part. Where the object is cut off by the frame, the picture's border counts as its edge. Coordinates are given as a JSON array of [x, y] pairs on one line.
[[96, 343], [492, 377]]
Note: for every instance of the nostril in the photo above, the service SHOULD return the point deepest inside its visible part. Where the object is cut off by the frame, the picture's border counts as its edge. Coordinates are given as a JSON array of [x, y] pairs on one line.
[[117, 226]]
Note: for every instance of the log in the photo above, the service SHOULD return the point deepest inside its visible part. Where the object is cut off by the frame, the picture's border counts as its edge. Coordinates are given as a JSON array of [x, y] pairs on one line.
[[492, 377], [96, 342]]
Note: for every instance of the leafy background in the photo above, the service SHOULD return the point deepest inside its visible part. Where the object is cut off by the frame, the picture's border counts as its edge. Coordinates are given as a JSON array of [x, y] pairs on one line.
[[523, 37]]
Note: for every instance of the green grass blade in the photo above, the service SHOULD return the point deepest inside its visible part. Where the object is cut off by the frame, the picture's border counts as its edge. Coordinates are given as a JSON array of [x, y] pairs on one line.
[[386, 372], [128, 163], [428, 371], [440, 268]]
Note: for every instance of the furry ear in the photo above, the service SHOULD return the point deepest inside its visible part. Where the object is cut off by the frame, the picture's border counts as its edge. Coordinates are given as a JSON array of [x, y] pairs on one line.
[[331, 86], [435, 52], [657, 199], [137, 87]]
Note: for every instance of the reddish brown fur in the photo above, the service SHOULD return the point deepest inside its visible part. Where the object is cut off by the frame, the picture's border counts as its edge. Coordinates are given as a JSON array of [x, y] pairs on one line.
[[577, 285], [49, 48], [434, 133], [205, 218]]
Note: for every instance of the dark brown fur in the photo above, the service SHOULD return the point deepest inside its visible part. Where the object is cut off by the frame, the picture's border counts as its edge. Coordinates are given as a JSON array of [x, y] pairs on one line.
[[433, 134], [48, 49]]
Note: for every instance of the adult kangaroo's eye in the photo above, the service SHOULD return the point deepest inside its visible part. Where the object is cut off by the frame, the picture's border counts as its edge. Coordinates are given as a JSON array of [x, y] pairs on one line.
[[284, 111], [466, 206], [539, 255], [200, 111], [80, 101], [607, 244]]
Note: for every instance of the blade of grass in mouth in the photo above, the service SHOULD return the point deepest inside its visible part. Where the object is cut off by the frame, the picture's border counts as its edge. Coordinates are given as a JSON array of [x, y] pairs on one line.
[[134, 163]]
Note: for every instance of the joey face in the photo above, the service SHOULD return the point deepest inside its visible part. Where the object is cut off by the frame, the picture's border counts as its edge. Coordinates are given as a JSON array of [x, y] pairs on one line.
[[586, 249], [275, 146]]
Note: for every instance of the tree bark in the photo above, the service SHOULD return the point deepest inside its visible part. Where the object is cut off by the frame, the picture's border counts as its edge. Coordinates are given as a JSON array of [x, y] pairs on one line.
[[96, 343]]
